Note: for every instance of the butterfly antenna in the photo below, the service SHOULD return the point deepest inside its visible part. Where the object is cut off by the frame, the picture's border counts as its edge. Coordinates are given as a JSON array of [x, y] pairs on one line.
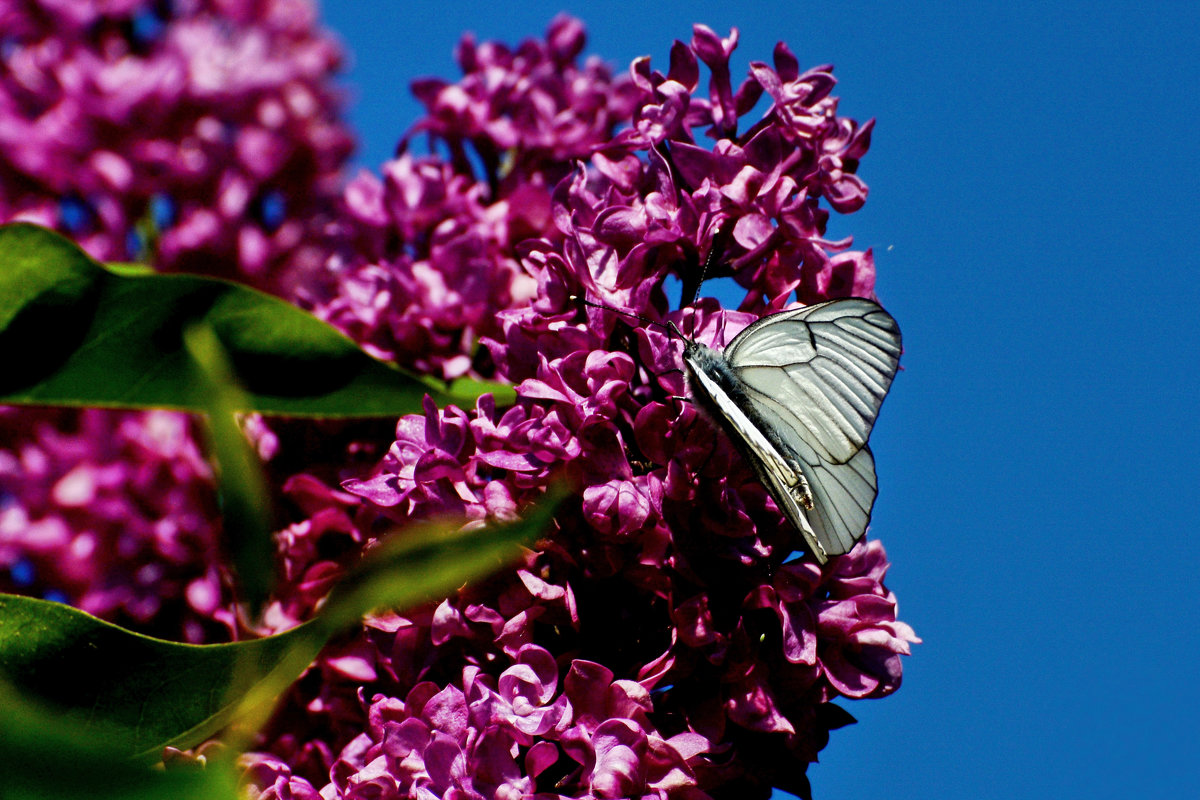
[[669, 326], [715, 251], [578, 299]]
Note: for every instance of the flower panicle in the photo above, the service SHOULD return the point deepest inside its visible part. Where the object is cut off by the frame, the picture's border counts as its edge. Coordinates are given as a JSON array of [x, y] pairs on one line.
[[670, 587]]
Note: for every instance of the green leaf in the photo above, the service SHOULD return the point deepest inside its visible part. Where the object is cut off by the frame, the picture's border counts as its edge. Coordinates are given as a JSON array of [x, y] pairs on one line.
[[131, 268], [75, 333], [141, 694], [47, 757], [245, 502]]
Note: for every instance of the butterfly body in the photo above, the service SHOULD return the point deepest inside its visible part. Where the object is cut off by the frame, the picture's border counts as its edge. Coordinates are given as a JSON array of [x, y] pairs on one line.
[[724, 397], [798, 392]]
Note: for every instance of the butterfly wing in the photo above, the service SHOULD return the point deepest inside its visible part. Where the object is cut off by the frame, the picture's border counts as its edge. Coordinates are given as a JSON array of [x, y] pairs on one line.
[[817, 376]]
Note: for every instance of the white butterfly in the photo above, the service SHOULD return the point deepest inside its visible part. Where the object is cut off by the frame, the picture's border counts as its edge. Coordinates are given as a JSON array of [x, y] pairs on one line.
[[798, 393]]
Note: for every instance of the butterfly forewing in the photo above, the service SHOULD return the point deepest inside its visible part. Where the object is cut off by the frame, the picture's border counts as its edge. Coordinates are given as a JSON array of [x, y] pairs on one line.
[[821, 371]]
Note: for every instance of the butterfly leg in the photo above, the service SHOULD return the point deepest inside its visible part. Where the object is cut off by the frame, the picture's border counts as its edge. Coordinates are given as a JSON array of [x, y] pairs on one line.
[[800, 488]]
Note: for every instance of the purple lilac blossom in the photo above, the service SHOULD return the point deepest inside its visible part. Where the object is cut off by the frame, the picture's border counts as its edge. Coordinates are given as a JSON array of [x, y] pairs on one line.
[[197, 135], [114, 514], [431, 244], [664, 641]]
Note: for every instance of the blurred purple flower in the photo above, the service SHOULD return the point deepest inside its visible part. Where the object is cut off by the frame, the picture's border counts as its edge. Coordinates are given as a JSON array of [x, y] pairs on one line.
[[212, 125], [115, 515]]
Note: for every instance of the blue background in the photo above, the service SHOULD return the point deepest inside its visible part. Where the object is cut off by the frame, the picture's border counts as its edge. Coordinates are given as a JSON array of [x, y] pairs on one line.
[[1034, 218]]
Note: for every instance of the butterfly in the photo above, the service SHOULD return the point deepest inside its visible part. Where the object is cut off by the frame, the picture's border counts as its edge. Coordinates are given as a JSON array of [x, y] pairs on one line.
[[798, 393]]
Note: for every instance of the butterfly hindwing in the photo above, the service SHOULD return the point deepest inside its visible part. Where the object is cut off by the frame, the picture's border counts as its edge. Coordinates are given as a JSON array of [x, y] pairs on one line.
[[843, 496]]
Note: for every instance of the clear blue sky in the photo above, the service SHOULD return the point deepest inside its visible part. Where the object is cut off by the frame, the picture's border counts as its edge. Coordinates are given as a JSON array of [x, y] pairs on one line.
[[1033, 210]]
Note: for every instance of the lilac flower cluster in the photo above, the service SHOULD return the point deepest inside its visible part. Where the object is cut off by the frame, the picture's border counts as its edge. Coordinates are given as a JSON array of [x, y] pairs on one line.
[[200, 135], [664, 641]]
